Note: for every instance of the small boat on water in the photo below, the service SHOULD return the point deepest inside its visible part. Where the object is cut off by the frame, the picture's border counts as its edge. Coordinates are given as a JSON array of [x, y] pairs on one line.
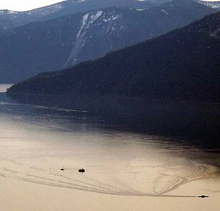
[[81, 170]]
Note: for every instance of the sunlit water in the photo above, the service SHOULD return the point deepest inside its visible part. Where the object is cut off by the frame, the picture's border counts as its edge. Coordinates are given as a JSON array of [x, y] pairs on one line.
[[36, 142], [3, 87]]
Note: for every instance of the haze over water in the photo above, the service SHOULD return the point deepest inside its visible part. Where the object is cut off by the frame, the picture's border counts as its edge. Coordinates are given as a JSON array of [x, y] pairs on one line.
[[36, 142]]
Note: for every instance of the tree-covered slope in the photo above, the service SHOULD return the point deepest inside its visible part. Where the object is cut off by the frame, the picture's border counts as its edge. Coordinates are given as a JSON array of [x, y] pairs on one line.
[[183, 64]]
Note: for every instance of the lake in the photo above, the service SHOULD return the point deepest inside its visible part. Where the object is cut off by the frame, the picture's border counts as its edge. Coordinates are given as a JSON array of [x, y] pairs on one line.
[[128, 164]]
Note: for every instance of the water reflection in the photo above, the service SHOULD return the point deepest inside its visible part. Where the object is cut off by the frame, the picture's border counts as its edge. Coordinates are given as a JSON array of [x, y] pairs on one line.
[[37, 141], [198, 123], [4, 87]]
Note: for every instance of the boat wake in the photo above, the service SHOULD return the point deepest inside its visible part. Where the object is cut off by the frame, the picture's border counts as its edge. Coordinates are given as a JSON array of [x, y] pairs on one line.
[[153, 182]]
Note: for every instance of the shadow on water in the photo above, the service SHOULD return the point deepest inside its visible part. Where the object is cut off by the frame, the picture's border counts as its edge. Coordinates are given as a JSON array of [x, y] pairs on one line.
[[197, 123]]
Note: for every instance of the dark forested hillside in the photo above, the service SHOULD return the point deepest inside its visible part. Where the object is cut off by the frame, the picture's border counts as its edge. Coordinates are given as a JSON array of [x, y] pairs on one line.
[[66, 41], [183, 65]]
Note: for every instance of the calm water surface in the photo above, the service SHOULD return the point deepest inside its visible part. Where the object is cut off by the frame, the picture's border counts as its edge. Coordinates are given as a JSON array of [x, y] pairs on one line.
[[36, 142]]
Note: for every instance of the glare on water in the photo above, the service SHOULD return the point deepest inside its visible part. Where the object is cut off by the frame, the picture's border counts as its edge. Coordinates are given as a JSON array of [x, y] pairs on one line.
[[37, 142], [4, 87]]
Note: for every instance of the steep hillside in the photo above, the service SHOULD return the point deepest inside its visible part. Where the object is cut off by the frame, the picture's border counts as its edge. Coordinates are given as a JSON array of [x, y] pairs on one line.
[[69, 40], [181, 65]]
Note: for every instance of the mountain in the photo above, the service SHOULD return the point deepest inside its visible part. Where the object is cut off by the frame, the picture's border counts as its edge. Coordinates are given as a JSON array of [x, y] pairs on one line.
[[68, 40], [11, 19], [181, 65], [212, 4]]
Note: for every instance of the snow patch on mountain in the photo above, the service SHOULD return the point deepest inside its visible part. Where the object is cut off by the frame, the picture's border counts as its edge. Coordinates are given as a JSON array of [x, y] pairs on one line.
[[111, 17], [140, 10], [84, 20], [164, 11], [45, 10], [87, 20], [105, 22], [212, 4]]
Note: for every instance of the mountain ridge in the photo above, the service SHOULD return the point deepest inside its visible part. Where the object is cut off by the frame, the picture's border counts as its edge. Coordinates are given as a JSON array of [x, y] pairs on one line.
[[180, 65], [66, 41], [11, 19]]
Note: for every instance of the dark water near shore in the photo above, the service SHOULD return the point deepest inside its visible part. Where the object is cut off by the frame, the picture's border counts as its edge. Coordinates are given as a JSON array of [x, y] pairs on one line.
[[197, 123], [128, 147]]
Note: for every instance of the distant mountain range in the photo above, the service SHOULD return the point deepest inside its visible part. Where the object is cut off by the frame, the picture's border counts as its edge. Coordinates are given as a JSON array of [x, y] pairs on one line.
[[11, 19], [68, 40], [181, 65]]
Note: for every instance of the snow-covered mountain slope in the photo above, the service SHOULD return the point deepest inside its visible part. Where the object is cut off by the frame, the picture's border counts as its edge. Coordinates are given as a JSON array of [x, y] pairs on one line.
[[212, 4]]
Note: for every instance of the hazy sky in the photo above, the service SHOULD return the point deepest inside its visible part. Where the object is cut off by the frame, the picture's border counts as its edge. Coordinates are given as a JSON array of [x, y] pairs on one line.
[[22, 5]]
